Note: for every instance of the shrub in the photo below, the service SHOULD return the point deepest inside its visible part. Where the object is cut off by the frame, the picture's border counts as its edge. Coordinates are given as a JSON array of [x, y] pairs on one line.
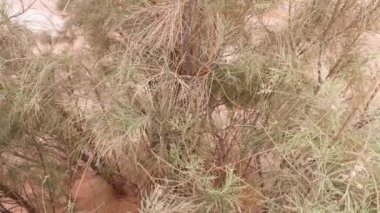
[[203, 106]]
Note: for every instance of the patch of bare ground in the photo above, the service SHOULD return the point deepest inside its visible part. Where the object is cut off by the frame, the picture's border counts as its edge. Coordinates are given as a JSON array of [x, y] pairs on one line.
[[91, 193]]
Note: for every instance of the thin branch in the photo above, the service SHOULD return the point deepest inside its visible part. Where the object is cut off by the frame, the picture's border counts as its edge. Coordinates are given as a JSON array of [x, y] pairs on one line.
[[19, 13], [44, 166], [367, 119], [375, 91], [351, 115], [352, 24], [347, 50], [3, 209], [331, 21], [319, 69], [97, 93], [12, 194]]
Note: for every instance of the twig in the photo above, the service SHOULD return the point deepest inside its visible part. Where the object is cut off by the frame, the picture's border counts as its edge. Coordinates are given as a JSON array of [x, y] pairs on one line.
[[66, 5], [336, 35], [12, 194], [319, 67], [375, 91], [372, 117], [44, 167], [98, 96], [331, 21], [367, 119], [347, 50], [3, 209], [19, 13], [351, 115]]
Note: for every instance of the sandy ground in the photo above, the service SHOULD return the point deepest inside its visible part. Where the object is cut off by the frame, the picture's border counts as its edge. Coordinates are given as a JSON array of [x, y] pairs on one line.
[[93, 194]]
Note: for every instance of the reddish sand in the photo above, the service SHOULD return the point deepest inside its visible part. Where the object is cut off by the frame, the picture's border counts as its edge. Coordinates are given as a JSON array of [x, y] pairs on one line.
[[91, 193]]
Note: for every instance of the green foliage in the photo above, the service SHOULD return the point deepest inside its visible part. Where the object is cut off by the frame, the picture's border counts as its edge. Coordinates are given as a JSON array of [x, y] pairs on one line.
[[203, 105]]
